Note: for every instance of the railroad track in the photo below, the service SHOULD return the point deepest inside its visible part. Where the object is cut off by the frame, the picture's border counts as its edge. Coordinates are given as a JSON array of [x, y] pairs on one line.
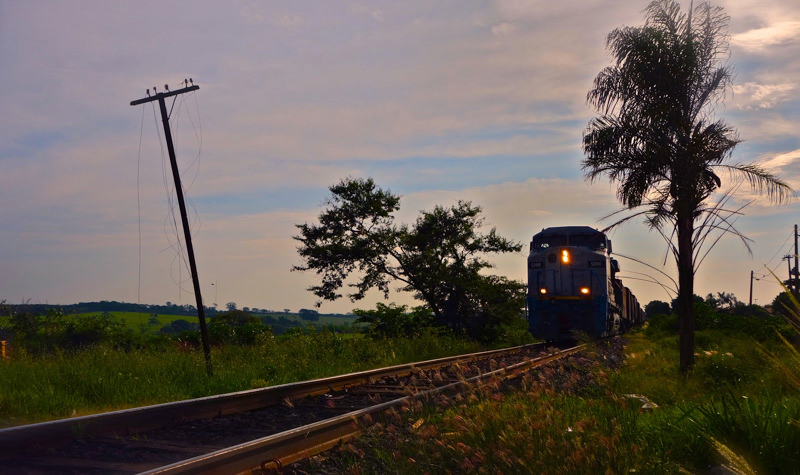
[[264, 428]]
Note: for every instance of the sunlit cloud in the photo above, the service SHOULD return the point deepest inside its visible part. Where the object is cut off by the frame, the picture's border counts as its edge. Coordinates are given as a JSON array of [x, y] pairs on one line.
[[782, 160], [774, 35], [764, 96]]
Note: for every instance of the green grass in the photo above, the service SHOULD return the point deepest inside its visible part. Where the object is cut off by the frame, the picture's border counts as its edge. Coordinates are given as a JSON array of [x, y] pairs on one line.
[[740, 405], [138, 320], [141, 320], [98, 379], [735, 408]]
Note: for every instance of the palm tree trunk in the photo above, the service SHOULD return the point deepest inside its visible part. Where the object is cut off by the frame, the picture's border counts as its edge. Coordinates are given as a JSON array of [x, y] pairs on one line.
[[685, 291]]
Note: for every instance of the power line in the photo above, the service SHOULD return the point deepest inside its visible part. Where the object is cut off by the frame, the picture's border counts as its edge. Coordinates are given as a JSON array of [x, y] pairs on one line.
[[781, 247]]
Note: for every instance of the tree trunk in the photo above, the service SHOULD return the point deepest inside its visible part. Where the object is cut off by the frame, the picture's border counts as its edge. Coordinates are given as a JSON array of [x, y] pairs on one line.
[[685, 291]]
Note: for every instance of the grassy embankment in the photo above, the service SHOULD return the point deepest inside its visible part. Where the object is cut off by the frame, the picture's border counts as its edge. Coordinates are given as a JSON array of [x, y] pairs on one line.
[[736, 408]]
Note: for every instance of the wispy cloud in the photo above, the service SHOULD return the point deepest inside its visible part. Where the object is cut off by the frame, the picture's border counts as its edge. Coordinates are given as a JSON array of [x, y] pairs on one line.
[[781, 33], [764, 96]]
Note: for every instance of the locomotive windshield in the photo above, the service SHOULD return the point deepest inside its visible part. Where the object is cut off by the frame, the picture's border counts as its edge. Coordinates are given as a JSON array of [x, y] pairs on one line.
[[546, 242], [596, 242]]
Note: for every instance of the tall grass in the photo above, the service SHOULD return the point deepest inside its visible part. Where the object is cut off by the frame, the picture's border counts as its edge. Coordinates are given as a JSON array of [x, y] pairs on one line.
[[586, 416], [101, 378], [761, 434]]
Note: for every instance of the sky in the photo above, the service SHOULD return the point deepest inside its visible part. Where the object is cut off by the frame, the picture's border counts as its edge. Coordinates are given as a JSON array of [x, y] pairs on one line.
[[478, 100]]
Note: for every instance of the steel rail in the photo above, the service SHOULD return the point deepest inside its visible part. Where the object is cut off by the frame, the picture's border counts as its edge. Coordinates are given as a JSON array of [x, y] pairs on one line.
[[26, 438], [279, 450]]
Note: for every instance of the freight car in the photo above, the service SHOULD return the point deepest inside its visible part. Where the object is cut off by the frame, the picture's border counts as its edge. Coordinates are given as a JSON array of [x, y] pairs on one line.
[[573, 286]]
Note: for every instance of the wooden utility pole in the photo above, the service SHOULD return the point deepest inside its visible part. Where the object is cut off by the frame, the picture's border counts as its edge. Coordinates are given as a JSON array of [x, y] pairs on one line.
[[179, 192], [796, 281]]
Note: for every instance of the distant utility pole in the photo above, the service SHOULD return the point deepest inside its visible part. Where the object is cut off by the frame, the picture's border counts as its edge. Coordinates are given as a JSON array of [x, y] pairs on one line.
[[793, 283], [160, 96], [796, 280]]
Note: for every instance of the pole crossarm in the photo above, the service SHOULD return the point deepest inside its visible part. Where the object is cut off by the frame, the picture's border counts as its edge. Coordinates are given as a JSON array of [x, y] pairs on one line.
[[164, 95]]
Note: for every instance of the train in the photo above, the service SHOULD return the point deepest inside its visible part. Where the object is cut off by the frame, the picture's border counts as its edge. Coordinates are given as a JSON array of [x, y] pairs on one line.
[[573, 286]]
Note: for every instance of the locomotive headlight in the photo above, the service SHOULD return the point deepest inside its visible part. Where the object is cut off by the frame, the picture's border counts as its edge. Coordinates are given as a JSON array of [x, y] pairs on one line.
[[565, 256], [584, 290], [543, 291]]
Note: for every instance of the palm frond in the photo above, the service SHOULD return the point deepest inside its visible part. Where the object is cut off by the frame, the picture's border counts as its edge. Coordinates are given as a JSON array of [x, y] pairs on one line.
[[674, 284], [762, 182]]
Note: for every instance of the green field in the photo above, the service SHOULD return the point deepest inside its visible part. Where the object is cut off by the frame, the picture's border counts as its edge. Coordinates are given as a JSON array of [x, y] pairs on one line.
[[140, 320], [739, 406]]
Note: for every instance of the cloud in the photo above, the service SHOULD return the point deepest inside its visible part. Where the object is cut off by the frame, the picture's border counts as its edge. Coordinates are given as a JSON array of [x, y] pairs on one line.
[[764, 96], [255, 13], [777, 34], [375, 13], [782, 160], [503, 29]]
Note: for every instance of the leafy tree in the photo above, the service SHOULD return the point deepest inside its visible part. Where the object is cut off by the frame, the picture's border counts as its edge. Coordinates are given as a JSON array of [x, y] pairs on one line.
[[783, 305], [231, 306], [178, 326], [723, 301], [391, 321], [439, 258], [234, 318], [236, 327], [656, 307], [87, 330], [308, 315], [656, 138], [268, 320]]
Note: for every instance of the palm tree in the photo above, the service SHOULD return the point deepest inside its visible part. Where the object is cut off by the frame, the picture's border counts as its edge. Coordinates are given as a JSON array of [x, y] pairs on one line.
[[656, 138]]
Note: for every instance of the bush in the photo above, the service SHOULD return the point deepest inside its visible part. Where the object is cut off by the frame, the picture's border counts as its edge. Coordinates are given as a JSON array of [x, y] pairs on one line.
[[221, 333], [742, 320], [391, 321], [53, 331], [179, 326], [661, 324]]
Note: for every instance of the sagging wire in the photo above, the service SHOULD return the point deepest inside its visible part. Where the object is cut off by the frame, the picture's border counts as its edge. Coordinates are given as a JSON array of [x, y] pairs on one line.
[[195, 222], [195, 163], [171, 228], [788, 250]]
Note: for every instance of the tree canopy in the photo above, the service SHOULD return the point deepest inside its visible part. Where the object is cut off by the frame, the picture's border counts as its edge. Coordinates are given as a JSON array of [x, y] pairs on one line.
[[439, 258], [657, 139]]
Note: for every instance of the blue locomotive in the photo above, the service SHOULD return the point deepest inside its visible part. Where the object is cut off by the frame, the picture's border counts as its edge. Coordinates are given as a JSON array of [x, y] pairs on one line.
[[573, 286]]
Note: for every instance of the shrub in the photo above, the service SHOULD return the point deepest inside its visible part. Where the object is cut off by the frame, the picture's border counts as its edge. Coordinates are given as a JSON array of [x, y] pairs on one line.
[[391, 321]]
